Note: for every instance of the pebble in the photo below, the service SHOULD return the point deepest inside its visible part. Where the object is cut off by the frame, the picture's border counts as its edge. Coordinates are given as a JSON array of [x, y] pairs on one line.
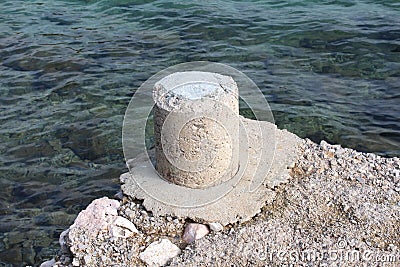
[[360, 179], [75, 262], [215, 226], [122, 227], [159, 253], [87, 259], [49, 263], [324, 145], [119, 195], [194, 231], [62, 241]]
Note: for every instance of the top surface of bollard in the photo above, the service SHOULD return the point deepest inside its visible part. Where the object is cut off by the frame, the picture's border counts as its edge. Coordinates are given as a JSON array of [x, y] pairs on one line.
[[172, 90]]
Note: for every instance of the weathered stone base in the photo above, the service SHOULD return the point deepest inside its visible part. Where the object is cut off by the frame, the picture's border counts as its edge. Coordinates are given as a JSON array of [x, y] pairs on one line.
[[268, 162]]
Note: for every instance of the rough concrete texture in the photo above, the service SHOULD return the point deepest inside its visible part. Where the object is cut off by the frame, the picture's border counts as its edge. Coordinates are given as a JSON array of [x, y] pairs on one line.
[[340, 207], [196, 128], [264, 162]]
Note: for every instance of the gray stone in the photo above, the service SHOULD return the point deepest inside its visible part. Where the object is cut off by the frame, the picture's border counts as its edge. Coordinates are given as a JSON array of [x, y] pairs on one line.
[[119, 195]]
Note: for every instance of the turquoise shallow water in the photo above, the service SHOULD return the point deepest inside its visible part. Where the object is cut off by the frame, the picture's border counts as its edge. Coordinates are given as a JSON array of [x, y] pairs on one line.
[[329, 69]]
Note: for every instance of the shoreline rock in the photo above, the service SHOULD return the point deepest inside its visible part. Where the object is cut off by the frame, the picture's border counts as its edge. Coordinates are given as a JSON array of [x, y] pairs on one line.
[[337, 200], [159, 253]]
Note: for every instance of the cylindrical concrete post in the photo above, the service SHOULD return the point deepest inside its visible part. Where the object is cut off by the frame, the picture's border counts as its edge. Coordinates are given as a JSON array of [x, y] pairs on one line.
[[196, 128]]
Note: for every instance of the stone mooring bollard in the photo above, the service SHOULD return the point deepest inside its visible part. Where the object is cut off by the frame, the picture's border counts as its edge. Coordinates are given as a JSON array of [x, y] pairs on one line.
[[211, 165], [196, 128]]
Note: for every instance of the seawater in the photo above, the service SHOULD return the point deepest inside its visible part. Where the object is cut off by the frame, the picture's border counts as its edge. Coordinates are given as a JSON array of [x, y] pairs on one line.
[[329, 69]]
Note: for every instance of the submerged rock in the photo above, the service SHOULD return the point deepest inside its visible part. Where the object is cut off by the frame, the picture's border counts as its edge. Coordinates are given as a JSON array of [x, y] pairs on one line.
[[86, 140]]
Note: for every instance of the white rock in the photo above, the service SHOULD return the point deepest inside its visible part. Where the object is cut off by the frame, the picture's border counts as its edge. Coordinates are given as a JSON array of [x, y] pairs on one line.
[[194, 231], [49, 263], [159, 253], [97, 215], [94, 222], [75, 262], [324, 144], [125, 223], [122, 227], [87, 259], [215, 226]]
